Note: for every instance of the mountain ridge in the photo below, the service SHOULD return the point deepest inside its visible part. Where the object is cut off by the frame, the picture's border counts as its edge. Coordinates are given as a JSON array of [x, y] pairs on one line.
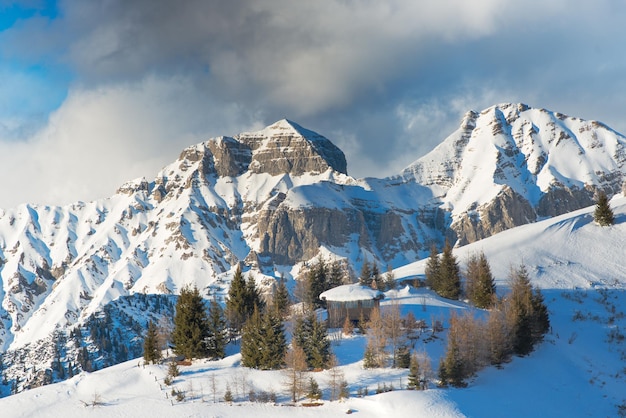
[[275, 199]]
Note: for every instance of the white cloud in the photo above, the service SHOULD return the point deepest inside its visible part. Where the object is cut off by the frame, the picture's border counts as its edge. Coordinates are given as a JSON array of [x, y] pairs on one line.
[[101, 138]]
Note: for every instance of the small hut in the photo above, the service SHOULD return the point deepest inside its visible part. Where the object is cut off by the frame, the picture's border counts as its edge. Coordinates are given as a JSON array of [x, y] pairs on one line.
[[351, 300]]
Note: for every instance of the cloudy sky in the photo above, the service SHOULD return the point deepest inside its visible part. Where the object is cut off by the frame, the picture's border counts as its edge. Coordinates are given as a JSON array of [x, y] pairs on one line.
[[94, 93]]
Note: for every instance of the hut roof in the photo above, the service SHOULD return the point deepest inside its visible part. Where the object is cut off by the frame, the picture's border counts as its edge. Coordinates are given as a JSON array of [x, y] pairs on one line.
[[351, 292]]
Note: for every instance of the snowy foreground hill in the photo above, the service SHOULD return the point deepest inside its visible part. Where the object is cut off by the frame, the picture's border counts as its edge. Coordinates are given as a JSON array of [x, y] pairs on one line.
[[578, 371]]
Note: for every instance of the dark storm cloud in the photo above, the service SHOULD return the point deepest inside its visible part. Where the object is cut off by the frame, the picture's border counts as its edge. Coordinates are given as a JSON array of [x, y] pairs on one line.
[[386, 81]]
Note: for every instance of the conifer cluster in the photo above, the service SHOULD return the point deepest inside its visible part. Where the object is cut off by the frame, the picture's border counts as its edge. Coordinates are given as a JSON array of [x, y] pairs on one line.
[[443, 274]]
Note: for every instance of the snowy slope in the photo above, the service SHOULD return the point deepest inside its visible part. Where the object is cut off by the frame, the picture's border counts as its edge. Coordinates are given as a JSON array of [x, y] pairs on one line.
[[511, 164], [275, 199], [578, 371]]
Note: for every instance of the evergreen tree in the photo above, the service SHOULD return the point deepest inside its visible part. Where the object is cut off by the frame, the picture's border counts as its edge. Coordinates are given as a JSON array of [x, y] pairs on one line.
[[274, 343], [541, 318], [316, 283], [252, 341], [236, 309], [528, 315], [216, 340], [449, 276], [319, 345], [263, 342], [454, 368], [312, 336], [433, 267], [190, 324], [151, 352], [603, 215], [366, 274], [314, 393], [336, 274], [280, 300], [253, 296], [442, 373], [414, 379], [480, 285]]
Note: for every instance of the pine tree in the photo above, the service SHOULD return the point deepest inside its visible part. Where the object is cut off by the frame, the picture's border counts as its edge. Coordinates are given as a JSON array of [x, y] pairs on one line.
[[449, 275], [190, 324], [442, 373], [540, 317], [151, 352], [603, 215], [520, 309], [252, 341], [433, 267], [236, 309], [336, 275], [314, 393], [312, 336], [216, 340], [280, 301], [454, 368], [274, 343], [414, 379], [316, 283], [319, 345], [480, 285], [253, 296], [366, 274], [263, 341]]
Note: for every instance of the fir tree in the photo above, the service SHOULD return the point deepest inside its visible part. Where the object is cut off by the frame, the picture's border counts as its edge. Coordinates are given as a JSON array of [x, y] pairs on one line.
[[263, 342], [603, 215], [366, 274], [316, 283], [252, 341], [190, 324], [280, 300], [314, 392], [480, 285], [319, 345], [449, 276], [454, 369], [541, 318], [216, 340], [433, 267], [151, 352], [274, 343], [237, 311], [528, 315], [253, 296], [414, 379], [312, 336]]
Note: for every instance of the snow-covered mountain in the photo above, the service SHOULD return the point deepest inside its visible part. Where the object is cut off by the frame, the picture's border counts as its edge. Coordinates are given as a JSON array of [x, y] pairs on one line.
[[578, 371], [510, 164], [272, 200]]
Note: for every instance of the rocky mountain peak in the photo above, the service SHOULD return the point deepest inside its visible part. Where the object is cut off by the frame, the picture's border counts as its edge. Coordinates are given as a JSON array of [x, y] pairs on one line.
[[287, 148]]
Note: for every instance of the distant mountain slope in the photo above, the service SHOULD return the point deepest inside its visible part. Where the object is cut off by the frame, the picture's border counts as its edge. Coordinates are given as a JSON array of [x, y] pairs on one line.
[[510, 164]]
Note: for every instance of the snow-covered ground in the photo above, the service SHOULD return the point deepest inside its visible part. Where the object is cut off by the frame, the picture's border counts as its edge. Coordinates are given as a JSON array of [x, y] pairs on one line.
[[578, 371]]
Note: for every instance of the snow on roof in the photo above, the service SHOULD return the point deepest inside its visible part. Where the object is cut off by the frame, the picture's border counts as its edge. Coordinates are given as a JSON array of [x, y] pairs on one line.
[[350, 292]]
